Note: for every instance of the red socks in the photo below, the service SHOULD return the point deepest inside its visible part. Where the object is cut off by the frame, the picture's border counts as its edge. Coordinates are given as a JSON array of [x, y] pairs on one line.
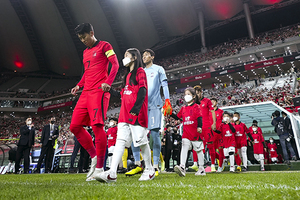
[[195, 156], [212, 153], [84, 138], [101, 144], [221, 157]]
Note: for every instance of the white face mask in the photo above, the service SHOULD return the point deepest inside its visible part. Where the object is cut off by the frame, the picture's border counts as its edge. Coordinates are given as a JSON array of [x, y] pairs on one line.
[[271, 141], [225, 119], [29, 122], [188, 98], [254, 129], [111, 124], [235, 118], [126, 61]]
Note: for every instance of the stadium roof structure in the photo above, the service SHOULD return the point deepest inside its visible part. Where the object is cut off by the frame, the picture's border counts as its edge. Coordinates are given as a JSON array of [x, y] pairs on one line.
[[262, 112], [39, 35]]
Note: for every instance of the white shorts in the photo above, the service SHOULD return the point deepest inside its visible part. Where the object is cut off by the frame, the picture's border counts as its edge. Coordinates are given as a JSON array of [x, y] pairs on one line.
[[259, 157], [227, 150], [132, 133], [196, 145]]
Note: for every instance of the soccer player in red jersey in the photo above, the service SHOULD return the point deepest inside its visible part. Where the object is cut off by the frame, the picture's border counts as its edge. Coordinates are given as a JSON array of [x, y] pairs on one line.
[[192, 127], [241, 131], [272, 150], [111, 138], [92, 105], [227, 131], [209, 124], [258, 148], [256, 127], [133, 118], [218, 140]]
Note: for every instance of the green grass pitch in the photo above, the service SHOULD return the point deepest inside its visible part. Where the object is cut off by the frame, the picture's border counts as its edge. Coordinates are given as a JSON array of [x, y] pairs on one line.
[[250, 185]]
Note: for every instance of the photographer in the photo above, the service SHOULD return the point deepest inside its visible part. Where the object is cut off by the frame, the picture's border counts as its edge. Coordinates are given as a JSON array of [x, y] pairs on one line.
[[280, 129]]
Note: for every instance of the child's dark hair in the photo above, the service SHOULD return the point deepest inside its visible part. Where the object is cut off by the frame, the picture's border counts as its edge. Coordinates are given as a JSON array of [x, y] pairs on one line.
[[137, 63], [226, 113], [214, 99], [193, 92], [84, 28]]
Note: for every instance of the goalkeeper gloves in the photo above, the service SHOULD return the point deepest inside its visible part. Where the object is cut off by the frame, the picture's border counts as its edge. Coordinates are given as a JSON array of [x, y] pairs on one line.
[[167, 107]]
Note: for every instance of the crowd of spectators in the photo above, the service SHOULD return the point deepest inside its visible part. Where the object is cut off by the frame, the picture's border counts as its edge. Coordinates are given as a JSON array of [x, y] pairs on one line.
[[228, 48]]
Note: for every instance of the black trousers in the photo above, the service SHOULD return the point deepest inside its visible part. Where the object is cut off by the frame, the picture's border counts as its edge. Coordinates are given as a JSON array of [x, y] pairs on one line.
[[48, 153], [83, 159], [22, 151], [168, 154], [176, 156]]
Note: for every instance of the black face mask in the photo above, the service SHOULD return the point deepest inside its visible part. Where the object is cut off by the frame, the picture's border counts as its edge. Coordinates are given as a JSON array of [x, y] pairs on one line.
[[52, 122]]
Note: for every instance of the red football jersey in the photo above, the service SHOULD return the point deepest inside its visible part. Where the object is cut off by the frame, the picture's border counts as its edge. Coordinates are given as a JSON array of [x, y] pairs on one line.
[[259, 131], [189, 115], [95, 61], [240, 135], [272, 148], [206, 107], [112, 136], [258, 147], [227, 135], [129, 96]]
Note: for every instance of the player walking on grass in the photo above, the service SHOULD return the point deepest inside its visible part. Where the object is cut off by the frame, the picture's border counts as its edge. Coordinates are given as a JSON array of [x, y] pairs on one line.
[[241, 133], [92, 105], [209, 124], [156, 78], [227, 131], [192, 127], [218, 139], [133, 119]]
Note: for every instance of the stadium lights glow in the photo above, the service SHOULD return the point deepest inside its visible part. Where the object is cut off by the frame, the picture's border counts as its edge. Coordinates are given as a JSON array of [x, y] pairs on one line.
[[261, 53], [250, 55], [288, 47]]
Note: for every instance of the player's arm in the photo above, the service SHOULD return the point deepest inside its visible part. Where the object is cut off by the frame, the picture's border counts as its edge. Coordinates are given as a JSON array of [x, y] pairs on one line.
[[79, 85], [218, 130], [112, 57], [250, 136], [164, 83], [213, 126], [199, 126]]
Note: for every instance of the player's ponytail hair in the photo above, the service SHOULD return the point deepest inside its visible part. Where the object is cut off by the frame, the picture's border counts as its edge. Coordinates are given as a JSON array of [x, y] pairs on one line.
[[137, 63]]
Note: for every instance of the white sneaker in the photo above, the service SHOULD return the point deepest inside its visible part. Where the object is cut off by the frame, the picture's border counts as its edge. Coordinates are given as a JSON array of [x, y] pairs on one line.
[[106, 177], [96, 173], [179, 170], [200, 172], [231, 169], [220, 169], [147, 175], [93, 167]]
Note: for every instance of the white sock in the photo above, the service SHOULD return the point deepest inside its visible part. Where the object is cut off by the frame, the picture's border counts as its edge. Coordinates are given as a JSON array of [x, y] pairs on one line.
[[195, 163], [200, 158], [118, 153], [184, 152], [146, 153], [212, 165], [155, 166], [231, 159], [138, 163], [244, 156]]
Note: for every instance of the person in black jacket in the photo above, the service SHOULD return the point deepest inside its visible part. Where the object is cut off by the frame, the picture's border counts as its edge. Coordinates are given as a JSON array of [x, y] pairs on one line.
[[176, 146], [168, 139], [26, 142], [288, 131], [49, 134]]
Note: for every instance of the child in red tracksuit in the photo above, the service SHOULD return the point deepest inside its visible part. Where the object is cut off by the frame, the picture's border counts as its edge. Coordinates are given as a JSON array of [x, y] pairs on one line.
[[258, 148], [272, 150], [227, 131]]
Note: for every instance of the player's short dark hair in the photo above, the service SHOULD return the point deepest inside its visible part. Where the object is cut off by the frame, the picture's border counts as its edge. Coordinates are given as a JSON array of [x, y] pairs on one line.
[[149, 51], [168, 125], [114, 119], [237, 113], [214, 99], [83, 28], [226, 113], [255, 122]]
